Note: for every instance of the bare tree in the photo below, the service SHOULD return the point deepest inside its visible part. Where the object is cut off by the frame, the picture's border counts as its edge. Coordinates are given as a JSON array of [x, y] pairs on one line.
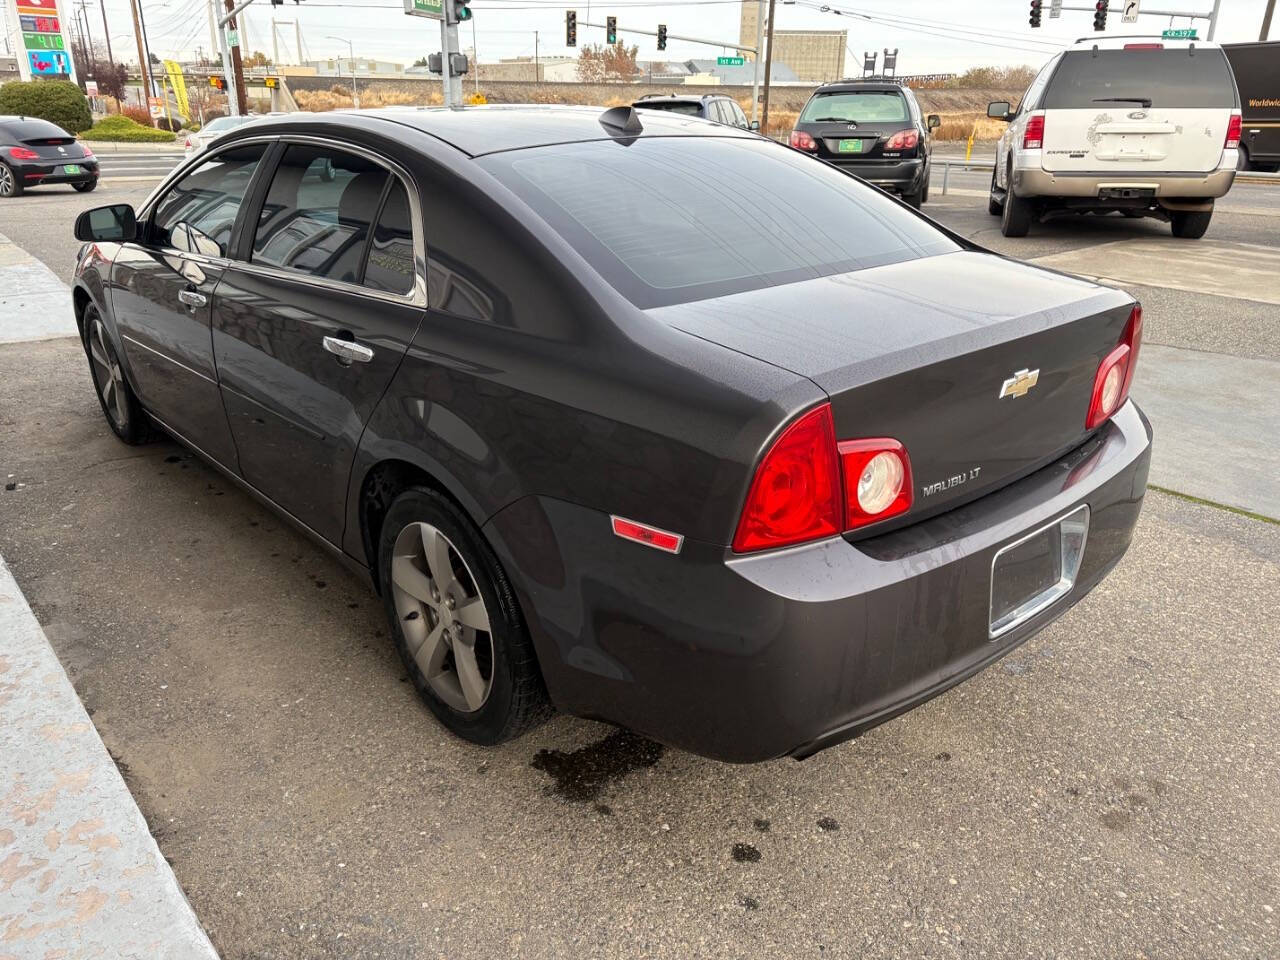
[[598, 63]]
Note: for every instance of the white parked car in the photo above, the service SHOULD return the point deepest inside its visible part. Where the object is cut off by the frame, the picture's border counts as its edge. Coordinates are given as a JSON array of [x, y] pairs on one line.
[[1144, 126], [211, 131]]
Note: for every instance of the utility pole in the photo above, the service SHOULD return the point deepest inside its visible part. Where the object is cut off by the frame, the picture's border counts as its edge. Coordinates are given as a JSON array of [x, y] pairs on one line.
[[755, 76], [146, 45], [237, 64], [768, 68], [536, 78], [1266, 19], [475, 52], [351, 59], [144, 68]]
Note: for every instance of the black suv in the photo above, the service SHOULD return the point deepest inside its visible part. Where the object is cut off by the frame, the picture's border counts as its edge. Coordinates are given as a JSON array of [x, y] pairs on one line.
[[871, 128], [718, 108]]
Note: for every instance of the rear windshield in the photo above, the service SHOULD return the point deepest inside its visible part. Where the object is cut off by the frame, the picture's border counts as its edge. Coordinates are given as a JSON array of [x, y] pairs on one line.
[[673, 106], [1087, 80], [868, 106], [673, 219]]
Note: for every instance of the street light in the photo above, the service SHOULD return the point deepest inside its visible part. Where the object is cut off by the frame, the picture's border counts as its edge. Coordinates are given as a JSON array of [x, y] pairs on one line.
[[355, 96]]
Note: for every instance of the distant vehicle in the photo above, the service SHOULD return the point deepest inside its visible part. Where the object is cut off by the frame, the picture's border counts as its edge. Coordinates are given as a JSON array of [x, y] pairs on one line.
[[197, 141], [871, 128], [35, 153], [1145, 126], [715, 107], [1257, 70], [651, 420]]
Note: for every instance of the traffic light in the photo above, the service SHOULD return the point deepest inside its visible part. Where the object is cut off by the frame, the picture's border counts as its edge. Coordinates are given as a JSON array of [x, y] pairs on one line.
[[662, 36], [217, 83], [1035, 13], [571, 28], [611, 30], [458, 11], [1100, 15]]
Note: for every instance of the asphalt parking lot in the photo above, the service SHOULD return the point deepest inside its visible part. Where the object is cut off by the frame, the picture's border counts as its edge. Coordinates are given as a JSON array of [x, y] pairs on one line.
[[1109, 790]]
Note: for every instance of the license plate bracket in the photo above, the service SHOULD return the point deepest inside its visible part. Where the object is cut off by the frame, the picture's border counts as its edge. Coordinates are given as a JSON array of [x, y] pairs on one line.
[[1036, 570]]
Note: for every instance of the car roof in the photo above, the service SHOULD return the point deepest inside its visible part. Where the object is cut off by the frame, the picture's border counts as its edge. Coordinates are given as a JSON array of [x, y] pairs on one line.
[[852, 86], [480, 130], [680, 97], [1119, 43]]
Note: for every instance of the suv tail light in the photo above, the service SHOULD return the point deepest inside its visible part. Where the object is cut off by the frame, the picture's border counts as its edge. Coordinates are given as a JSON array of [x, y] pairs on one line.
[[22, 153], [1233, 132], [903, 140], [802, 141], [1115, 373], [1033, 133], [809, 487]]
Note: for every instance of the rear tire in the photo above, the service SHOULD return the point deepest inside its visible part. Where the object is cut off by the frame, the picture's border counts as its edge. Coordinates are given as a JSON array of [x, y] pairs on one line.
[[924, 187], [1242, 159], [482, 683], [1190, 224], [995, 204], [10, 182], [913, 200], [85, 187], [1015, 214]]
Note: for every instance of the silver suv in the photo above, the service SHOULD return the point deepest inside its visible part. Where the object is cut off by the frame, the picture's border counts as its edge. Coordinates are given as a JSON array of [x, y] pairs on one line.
[[1144, 126]]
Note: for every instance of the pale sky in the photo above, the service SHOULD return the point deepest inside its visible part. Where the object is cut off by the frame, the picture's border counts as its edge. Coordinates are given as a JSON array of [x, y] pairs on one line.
[[927, 32]]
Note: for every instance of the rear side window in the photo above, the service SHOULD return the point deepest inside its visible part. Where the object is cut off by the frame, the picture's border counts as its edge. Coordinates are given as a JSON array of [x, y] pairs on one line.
[[1120, 79], [866, 106], [318, 212], [689, 109], [390, 265], [672, 219], [199, 211]]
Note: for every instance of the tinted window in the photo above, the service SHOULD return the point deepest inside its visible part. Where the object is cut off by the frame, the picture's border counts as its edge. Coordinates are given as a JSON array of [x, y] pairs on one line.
[[674, 106], [869, 106], [668, 219], [199, 211], [390, 264], [30, 129], [739, 117], [317, 213], [1088, 80]]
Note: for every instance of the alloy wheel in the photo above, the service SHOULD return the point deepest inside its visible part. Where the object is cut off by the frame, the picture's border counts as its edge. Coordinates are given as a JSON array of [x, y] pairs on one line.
[[109, 378], [443, 617], [6, 181]]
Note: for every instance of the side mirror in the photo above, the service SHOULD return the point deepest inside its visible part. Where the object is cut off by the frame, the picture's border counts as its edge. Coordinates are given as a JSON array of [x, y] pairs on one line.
[[998, 110], [935, 121], [116, 223], [755, 124]]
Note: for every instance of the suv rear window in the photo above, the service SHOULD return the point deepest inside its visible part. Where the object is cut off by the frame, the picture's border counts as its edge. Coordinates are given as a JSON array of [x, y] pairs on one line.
[[859, 106], [673, 219], [1090, 80], [672, 106]]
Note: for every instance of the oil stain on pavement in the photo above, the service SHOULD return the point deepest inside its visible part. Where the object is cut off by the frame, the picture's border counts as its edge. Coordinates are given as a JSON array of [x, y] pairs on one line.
[[580, 775]]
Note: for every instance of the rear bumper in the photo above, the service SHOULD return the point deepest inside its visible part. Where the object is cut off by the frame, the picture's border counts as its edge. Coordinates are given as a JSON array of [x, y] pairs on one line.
[[792, 651], [1032, 180], [901, 176], [35, 174]]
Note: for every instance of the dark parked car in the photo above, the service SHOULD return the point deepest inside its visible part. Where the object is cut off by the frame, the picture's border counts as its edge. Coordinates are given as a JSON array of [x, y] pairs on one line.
[[35, 152], [717, 108], [871, 128], [746, 477]]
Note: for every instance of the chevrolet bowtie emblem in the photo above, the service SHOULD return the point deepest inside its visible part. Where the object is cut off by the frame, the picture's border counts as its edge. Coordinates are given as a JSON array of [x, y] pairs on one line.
[[1019, 383]]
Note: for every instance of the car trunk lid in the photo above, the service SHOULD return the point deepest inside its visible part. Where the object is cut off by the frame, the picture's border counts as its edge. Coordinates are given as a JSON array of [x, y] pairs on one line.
[[1150, 110], [981, 368], [855, 124]]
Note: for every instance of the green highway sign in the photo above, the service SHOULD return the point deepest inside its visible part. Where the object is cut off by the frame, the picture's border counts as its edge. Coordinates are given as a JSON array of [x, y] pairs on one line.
[[730, 61], [425, 8], [1179, 34]]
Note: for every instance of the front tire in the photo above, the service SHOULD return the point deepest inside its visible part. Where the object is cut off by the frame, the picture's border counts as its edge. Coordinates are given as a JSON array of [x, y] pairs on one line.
[[1190, 224], [87, 187], [995, 205], [10, 182], [456, 621], [119, 404]]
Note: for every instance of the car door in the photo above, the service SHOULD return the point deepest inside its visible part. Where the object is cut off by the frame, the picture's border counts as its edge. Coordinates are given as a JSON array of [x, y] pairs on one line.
[[161, 290], [314, 317]]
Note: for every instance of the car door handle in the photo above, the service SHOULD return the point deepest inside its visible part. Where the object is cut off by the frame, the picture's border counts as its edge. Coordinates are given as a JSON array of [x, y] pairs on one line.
[[348, 350], [192, 298]]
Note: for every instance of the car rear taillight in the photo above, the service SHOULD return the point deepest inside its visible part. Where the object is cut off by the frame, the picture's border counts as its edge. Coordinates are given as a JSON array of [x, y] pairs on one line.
[[188, 144], [22, 153], [877, 480], [1144, 46], [802, 141], [1115, 373], [88, 154], [1033, 133], [1233, 132], [809, 487], [903, 140]]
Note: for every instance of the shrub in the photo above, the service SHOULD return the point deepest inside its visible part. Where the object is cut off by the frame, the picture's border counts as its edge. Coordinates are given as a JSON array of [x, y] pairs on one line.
[[137, 114], [120, 129], [58, 101]]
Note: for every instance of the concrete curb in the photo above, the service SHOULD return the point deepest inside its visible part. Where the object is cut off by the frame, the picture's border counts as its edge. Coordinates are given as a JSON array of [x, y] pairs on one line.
[[80, 875], [34, 303]]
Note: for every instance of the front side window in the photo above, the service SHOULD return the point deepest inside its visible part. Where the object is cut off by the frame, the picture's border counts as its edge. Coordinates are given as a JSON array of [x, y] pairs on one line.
[[199, 212], [673, 219], [863, 106], [318, 212]]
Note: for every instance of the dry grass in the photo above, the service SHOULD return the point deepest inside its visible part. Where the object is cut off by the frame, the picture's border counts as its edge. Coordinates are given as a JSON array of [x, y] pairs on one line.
[[338, 98], [958, 126]]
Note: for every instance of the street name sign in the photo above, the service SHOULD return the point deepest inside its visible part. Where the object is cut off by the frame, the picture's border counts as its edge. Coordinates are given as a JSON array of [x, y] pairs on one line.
[[730, 61], [1189, 34], [425, 8]]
